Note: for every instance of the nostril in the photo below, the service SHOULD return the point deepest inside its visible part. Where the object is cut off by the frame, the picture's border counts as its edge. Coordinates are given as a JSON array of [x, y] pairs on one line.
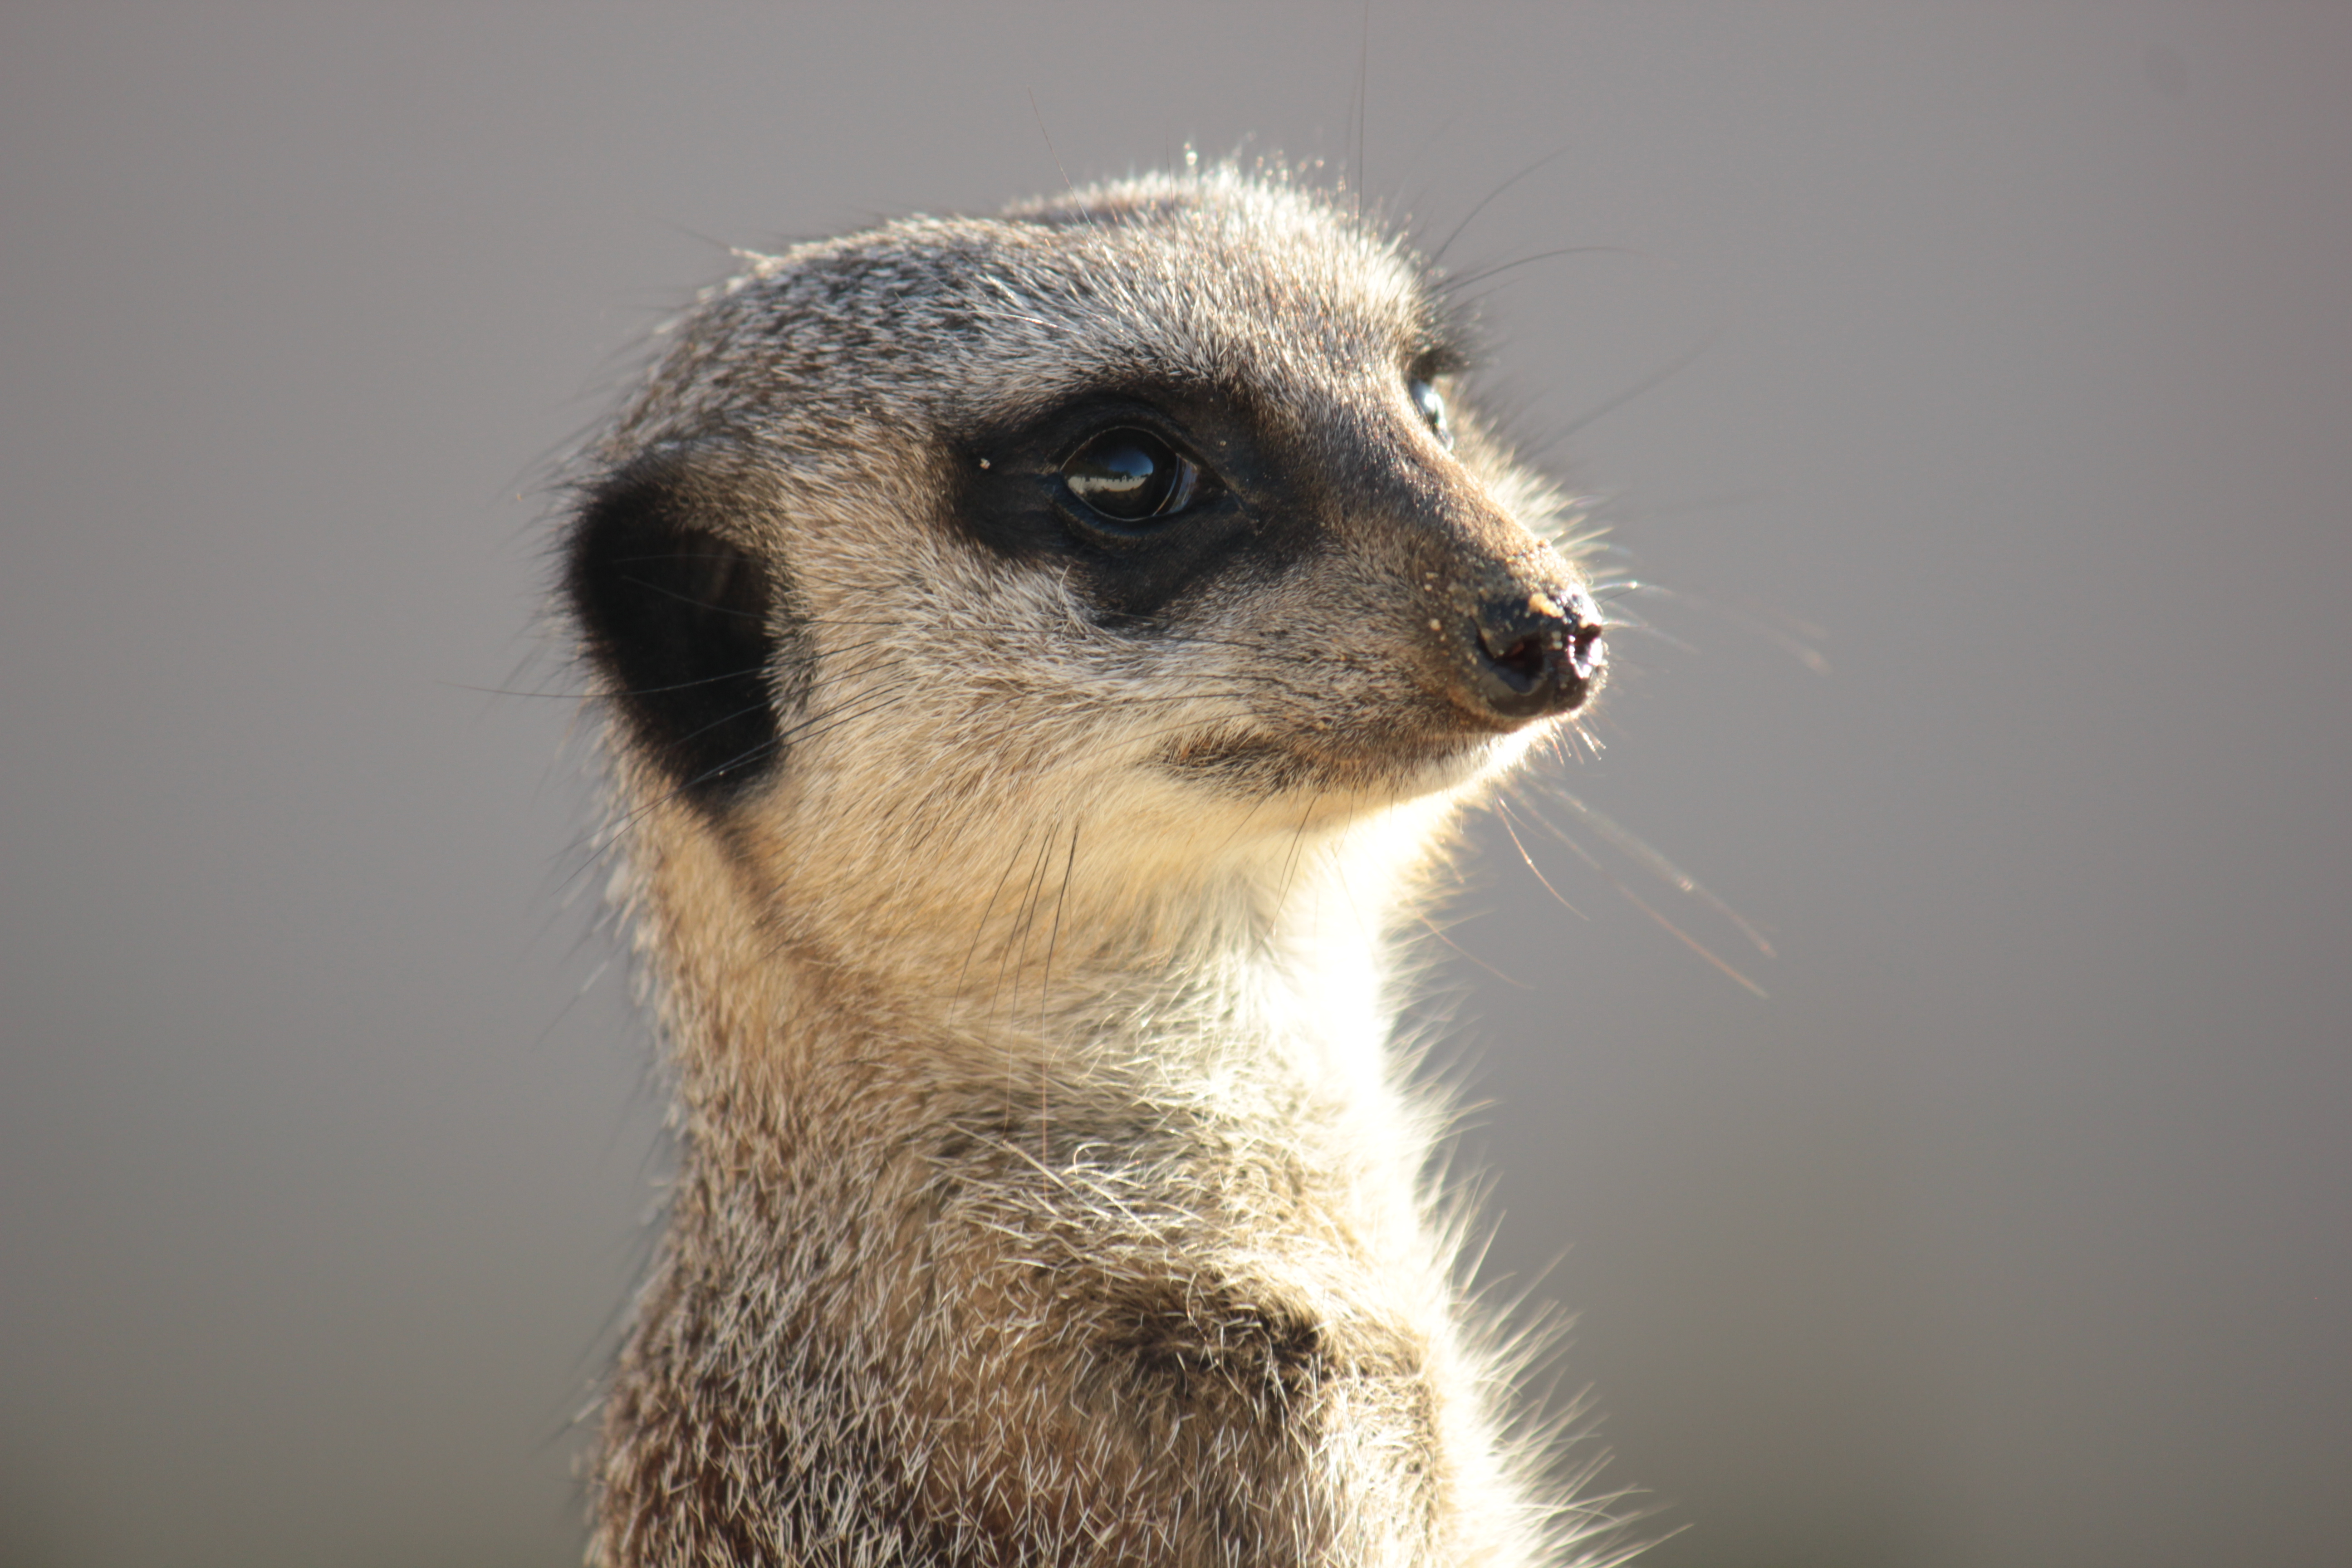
[[1520, 658], [1584, 649]]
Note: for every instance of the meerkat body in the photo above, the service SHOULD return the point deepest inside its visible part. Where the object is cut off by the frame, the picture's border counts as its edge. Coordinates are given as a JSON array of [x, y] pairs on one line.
[[1045, 654]]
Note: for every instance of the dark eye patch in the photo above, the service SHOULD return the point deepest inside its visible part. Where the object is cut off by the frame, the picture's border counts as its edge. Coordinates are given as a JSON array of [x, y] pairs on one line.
[[684, 623], [1144, 494]]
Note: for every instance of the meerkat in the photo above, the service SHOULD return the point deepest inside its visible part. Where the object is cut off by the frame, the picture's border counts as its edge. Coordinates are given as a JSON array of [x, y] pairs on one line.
[[1043, 658]]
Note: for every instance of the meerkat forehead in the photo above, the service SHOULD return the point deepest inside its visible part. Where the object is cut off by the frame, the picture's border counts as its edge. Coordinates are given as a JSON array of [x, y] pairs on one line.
[[1216, 281]]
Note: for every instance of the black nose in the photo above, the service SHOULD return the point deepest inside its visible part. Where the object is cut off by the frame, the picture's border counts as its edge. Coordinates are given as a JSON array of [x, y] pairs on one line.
[[1537, 654]]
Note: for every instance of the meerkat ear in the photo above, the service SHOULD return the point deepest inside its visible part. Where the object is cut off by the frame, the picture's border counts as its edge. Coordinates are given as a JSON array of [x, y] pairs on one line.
[[685, 625]]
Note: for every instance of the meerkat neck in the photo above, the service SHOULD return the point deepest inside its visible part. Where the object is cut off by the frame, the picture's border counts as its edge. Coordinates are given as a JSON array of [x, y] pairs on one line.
[[1065, 982]]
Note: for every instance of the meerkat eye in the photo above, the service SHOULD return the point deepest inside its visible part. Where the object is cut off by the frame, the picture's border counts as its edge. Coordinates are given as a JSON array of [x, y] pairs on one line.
[[1433, 409], [1130, 476]]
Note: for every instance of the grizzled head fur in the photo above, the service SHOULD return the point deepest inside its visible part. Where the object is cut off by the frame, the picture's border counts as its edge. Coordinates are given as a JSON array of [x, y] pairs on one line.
[[1040, 650]]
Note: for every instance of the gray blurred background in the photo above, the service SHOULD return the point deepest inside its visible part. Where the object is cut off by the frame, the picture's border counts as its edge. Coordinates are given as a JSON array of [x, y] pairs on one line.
[[2015, 384]]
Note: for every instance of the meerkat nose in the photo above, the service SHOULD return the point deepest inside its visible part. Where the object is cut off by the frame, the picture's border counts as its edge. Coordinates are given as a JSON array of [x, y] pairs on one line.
[[1536, 654]]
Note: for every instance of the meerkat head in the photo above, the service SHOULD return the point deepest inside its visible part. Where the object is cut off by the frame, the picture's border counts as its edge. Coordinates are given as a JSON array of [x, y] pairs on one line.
[[1133, 529]]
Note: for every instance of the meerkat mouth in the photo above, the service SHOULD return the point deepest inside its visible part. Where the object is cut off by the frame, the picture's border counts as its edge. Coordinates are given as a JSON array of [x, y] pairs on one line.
[[1400, 764]]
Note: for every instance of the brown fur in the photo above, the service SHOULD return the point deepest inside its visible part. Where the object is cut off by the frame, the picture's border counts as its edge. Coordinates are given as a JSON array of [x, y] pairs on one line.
[[1048, 1194]]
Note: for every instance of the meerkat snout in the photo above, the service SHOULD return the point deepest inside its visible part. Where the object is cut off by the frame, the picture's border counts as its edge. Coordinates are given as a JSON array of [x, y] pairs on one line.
[[1540, 653], [1535, 648]]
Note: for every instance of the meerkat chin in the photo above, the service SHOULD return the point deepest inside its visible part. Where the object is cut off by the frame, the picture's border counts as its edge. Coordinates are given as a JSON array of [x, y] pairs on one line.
[[1044, 656]]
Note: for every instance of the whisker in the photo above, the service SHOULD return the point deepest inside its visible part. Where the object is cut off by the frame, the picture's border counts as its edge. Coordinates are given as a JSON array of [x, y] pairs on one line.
[[1438, 932], [1794, 642], [1502, 815], [1673, 929], [981, 929], [1641, 388], [1453, 285], [1483, 201], [1045, 993], [1658, 866]]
